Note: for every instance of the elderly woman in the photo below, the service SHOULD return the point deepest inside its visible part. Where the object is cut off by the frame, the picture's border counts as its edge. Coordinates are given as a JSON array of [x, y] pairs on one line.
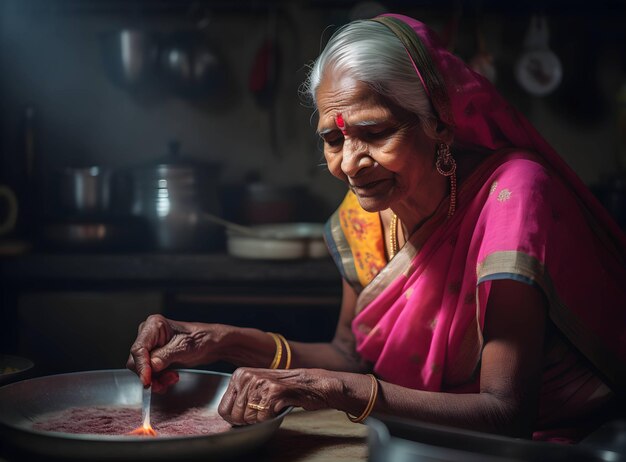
[[484, 287]]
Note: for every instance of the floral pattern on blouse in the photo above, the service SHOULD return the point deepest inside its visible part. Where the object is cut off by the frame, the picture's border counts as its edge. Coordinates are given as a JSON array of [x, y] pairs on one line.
[[363, 232]]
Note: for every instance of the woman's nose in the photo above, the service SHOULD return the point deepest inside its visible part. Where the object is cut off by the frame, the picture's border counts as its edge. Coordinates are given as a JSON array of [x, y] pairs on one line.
[[355, 156]]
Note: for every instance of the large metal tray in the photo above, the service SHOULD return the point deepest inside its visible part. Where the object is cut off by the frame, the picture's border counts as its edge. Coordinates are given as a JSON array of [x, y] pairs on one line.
[[21, 402]]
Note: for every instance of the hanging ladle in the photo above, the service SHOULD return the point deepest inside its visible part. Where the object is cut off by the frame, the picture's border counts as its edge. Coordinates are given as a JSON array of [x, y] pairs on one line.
[[271, 232], [235, 227]]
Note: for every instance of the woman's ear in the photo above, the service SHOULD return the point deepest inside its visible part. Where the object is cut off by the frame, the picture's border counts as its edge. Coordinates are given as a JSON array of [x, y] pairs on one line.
[[444, 133]]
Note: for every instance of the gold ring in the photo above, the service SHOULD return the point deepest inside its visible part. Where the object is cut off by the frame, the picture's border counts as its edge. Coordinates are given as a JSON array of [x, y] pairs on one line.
[[258, 407]]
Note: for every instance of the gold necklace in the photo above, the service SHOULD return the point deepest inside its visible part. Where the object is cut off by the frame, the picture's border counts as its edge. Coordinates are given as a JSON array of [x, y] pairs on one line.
[[393, 236]]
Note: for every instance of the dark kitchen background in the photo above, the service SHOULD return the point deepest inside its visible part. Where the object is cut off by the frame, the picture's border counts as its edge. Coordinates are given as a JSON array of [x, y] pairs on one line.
[[86, 143]]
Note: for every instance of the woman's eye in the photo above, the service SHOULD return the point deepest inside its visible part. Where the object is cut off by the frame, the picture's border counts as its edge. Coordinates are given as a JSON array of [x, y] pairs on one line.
[[333, 140], [378, 133]]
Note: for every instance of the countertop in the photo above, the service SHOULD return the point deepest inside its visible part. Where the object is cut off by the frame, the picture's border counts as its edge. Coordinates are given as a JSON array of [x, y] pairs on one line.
[[317, 436]]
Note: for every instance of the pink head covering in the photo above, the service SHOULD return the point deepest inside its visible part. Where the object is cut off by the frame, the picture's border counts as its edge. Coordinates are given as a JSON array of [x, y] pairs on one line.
[[481, 118]]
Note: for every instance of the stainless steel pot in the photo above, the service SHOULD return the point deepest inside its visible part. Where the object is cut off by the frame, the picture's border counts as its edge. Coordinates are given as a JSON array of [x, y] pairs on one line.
[[82, 192], [24, 401], [172, 195]]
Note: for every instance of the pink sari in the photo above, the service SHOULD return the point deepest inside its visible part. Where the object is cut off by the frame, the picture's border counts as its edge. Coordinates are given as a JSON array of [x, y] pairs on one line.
[[522, 214]]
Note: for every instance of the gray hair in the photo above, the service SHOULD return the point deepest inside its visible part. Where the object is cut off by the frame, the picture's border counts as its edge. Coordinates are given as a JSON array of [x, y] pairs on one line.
[[369, 52]]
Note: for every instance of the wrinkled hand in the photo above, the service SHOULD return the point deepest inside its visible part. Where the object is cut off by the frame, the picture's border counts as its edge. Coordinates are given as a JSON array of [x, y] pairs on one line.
[[162, 342], [254, 395]]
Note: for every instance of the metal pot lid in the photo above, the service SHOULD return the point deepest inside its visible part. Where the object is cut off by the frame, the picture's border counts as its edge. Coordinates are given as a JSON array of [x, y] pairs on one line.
[[175, 164], [174, 159]]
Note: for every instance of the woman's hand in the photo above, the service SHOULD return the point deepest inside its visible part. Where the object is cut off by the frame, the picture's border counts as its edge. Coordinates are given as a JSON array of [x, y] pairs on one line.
[[162, 342], [254, 395]]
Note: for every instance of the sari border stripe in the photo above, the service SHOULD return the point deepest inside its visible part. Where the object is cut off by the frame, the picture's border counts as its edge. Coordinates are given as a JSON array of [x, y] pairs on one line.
[[340, 251], [389, 273], [513, 276], [506, 264]]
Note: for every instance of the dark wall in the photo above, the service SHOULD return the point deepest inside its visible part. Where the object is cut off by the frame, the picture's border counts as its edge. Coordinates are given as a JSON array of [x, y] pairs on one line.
[[51, 58]]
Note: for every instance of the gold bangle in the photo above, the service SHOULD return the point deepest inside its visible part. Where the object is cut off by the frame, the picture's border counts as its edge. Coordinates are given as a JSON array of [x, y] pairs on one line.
[[370, 404], [279, 351], [288, 348]]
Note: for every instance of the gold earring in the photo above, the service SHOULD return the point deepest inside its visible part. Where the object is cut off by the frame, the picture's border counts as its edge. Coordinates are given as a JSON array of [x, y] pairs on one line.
[[446, 166]]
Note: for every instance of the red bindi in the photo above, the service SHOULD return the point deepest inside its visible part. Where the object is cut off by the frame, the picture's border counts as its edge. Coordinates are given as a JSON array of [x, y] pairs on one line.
[[341, 125]]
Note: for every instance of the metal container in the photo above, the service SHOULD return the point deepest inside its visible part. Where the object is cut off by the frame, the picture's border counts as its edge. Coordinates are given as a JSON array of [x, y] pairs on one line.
[[22, 402], [89, 192], [172, 196], [84, 190]]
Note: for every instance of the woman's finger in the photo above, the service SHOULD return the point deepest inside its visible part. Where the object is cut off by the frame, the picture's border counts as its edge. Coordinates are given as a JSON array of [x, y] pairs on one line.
[[162, 382], [227, 403], [130, 363], [141, 359], [239, 410], [152, 332], [233, 406]]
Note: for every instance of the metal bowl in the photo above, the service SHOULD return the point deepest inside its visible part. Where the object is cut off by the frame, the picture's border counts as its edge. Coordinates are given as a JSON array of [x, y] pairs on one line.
[[13, 368], [25, 401], [399, 439]]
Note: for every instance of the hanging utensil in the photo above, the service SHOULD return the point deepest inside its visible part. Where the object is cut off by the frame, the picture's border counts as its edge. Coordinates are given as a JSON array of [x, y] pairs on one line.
[[192, 67], [264, 78], [538, 70], [130, 57]]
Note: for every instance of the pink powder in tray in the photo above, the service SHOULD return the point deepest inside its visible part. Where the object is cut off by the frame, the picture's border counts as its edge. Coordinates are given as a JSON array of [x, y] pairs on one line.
[[121, 420]]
